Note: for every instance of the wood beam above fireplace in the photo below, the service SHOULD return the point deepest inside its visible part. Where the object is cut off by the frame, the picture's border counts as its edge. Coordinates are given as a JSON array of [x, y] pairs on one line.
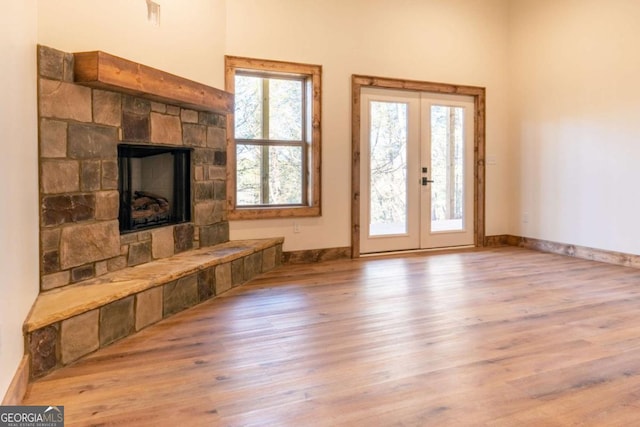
[[101, 70]]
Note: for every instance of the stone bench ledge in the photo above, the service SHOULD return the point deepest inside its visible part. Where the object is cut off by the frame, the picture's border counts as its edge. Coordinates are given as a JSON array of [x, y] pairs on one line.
[[63, 303]]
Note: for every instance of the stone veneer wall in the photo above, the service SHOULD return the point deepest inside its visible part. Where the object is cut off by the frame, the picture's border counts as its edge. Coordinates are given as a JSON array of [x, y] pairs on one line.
[[80, 129]]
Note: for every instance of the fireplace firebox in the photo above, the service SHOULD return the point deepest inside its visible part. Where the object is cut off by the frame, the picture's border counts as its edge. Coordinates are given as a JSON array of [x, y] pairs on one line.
[[154, 185]]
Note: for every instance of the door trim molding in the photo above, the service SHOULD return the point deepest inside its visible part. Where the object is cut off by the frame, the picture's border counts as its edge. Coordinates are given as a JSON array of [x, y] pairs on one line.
[[479, 96]]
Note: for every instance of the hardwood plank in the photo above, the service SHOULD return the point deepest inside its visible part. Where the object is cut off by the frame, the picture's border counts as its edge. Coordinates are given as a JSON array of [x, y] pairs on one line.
[[493, 337], [102, 70]]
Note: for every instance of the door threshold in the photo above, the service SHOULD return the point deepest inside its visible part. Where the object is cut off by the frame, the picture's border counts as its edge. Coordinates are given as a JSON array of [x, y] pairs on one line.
[[414, 251]]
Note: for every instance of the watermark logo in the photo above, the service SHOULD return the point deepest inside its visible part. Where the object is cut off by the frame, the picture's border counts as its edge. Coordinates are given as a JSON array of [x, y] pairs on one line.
[[31, 416]]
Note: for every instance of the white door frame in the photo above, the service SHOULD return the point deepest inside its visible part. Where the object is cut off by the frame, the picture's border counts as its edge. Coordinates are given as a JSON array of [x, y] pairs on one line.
[[478, 94]]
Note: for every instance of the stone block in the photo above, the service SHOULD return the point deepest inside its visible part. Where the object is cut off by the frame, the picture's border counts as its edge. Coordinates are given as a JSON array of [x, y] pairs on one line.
[[107, 108], [58, 210], [79, 336], [135, 127], [50, 63], [110, 175], [166, 129], [101, 268], [183, 237], [55, 280], [144, 236], [220, 158], [127, 239], [131, 104], [207, 213], [216, 138], [198, 173], [252, 265], [116, 320], [203, 156], [90, 175], [50, 239], [237, 272], [162, 243], [194, 135], [148, 307], [223, 278], [85, 243], [180, 294], [68, 62], [139, 253], [59, 176], [158, 107], [220, 190], [43, 344], [92, 142], [211, 119], [216, 173], [269, 258], [107, 205], [85, 272], [214, 234], [63, 100], [188, 116], [117, 263], [53, 139], [204, 190], [206, 284], [50, 262], [173, 110]]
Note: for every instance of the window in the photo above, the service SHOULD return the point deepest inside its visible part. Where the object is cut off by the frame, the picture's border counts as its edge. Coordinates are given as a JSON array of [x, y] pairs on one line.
[[274, 154]]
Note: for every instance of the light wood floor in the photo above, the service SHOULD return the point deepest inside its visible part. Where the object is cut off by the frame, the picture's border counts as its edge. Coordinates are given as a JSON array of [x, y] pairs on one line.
[[500, 337]]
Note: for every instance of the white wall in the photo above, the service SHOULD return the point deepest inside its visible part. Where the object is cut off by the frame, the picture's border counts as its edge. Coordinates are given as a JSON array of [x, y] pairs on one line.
[[19, 180], [461, 42], [189, 41], [575, 123]]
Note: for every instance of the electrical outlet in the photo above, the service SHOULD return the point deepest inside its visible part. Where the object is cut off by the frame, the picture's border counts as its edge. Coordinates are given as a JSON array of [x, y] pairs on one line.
[[525, 217], [296, 227]]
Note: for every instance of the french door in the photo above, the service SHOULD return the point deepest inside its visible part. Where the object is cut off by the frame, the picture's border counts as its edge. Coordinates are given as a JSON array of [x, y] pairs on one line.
[[416, 170]]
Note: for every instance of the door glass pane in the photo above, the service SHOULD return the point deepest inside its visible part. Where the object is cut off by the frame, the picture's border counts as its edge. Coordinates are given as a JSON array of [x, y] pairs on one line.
[[447, 168], [388, 165]]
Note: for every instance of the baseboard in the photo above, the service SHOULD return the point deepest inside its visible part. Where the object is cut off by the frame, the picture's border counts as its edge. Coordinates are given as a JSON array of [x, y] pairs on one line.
[[18, 387], [315, 255], [495, 241], [576, 251]]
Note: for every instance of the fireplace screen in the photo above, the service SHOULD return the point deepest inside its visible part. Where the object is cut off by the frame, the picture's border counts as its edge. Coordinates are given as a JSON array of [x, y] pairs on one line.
[[154, 185]]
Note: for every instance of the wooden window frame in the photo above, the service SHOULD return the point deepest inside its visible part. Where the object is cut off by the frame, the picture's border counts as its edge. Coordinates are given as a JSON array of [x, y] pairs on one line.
[[312, 174]]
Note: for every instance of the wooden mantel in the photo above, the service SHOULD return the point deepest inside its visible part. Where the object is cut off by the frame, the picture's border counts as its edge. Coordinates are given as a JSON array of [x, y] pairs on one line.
[[102, 70]]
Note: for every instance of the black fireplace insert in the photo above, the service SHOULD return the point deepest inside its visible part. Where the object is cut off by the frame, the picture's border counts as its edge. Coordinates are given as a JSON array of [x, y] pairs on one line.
[[155, 186]]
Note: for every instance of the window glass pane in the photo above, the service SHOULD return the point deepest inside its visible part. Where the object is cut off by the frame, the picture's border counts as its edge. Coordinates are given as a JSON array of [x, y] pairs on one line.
[[285, 175], [388, 179], [248, 177], [447, 168], [285, 110], [248, 101]]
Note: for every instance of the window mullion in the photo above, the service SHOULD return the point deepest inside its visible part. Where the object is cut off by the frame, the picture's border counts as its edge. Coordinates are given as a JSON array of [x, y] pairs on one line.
[[264, 166]]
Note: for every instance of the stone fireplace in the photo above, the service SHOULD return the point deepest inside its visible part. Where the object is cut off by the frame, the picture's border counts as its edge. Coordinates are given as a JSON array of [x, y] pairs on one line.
[[87, 229], [122, 142]]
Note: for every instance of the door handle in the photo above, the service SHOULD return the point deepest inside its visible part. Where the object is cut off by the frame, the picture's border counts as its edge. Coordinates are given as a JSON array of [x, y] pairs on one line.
[[426, 181]]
